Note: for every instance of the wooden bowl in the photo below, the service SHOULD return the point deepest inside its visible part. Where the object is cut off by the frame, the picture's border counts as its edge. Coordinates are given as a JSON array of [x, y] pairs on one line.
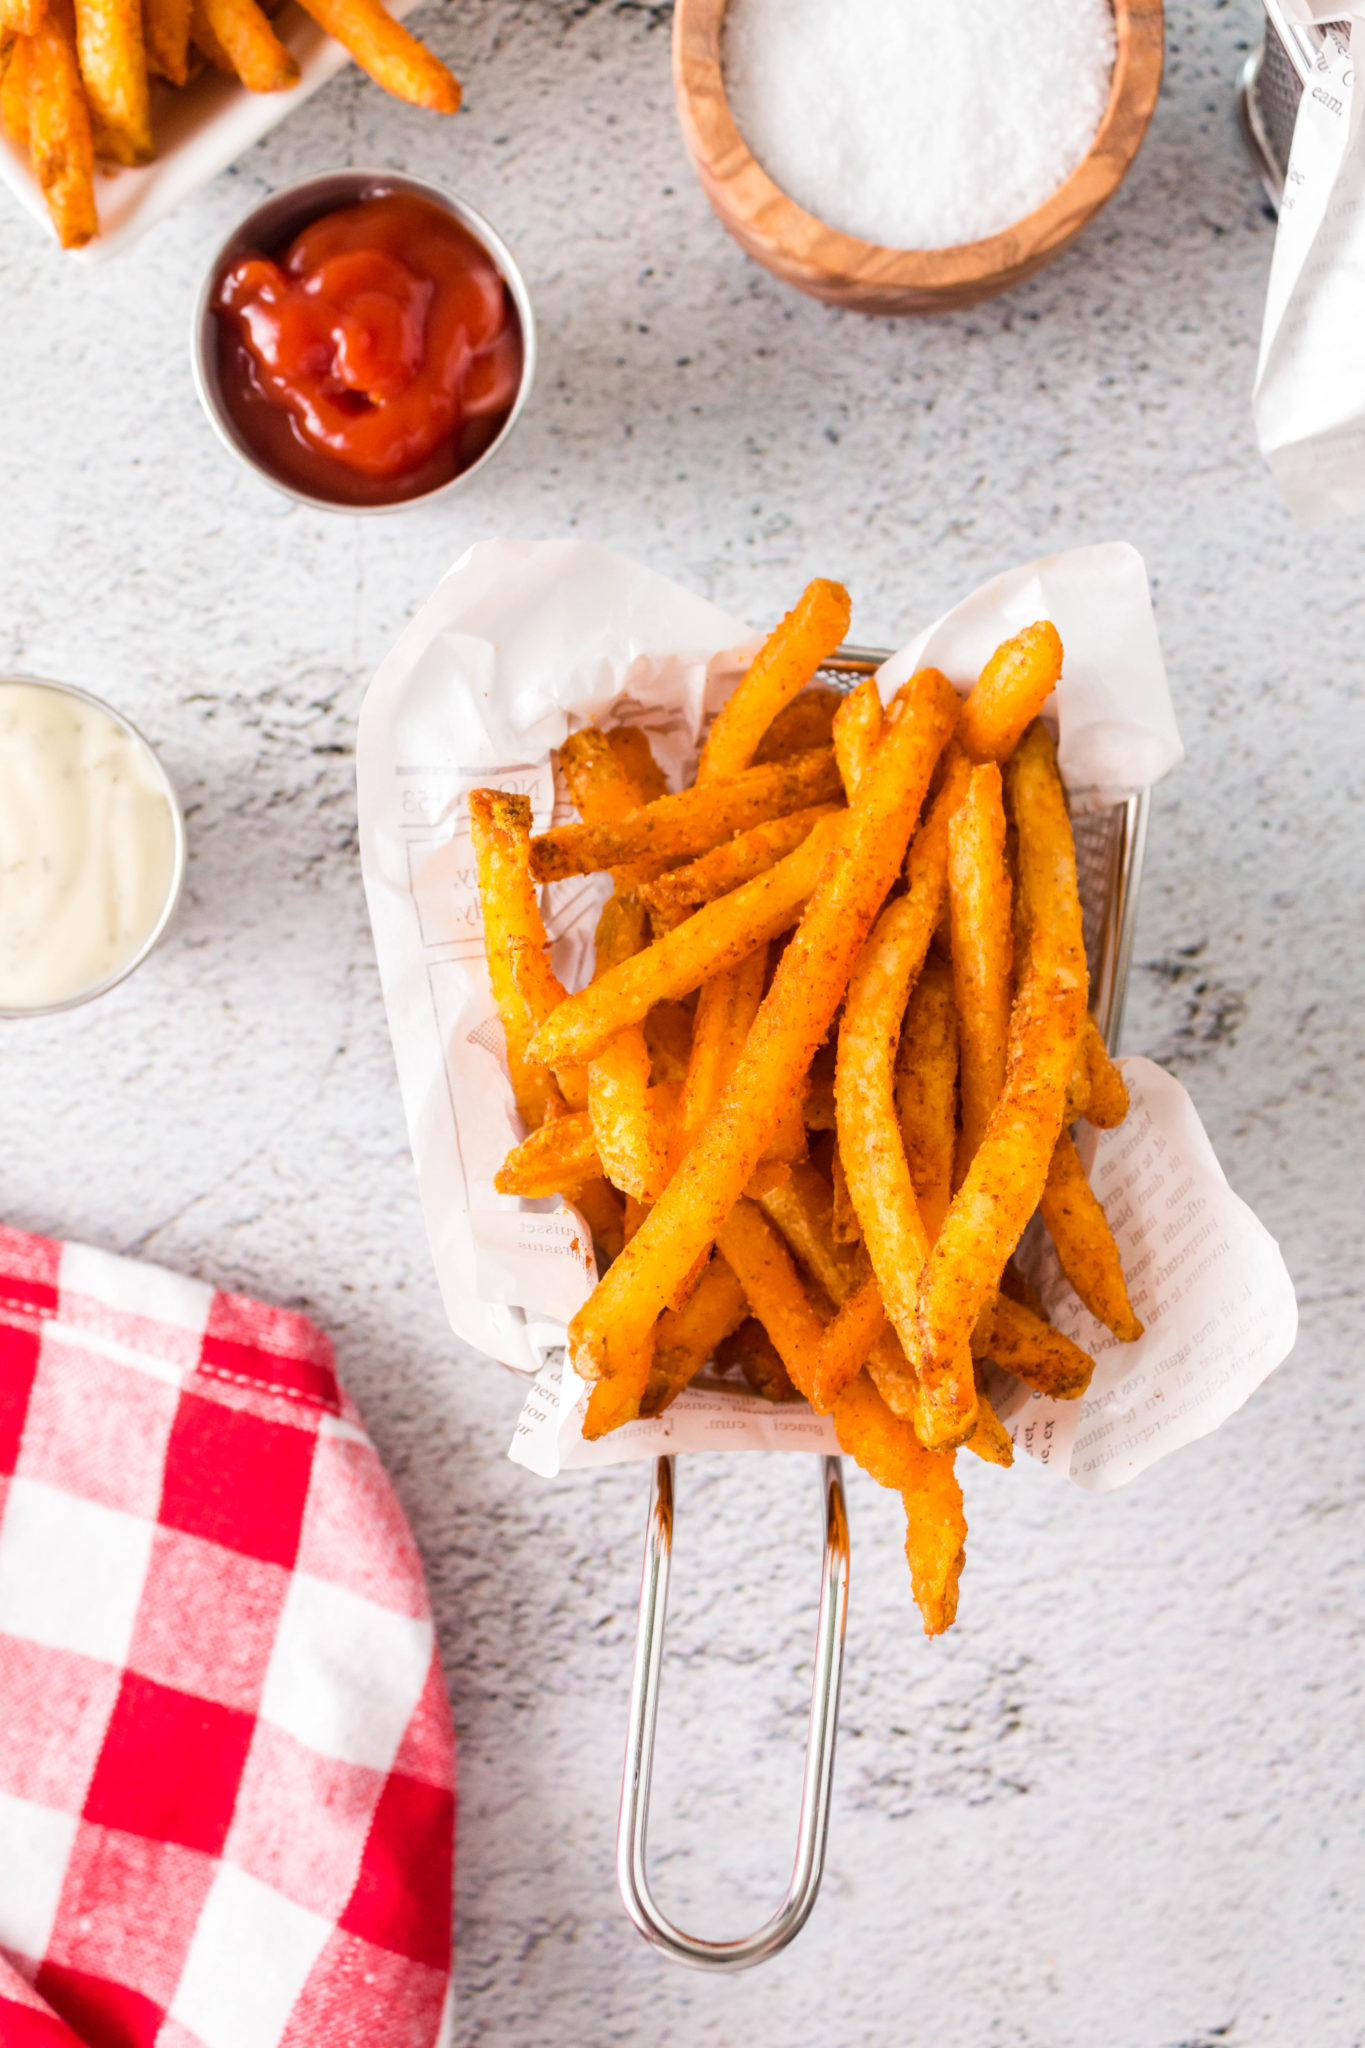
[[863, 276]]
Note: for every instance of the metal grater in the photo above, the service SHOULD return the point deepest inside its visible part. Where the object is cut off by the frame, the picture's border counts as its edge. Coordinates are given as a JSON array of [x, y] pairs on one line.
[[1271, 86]]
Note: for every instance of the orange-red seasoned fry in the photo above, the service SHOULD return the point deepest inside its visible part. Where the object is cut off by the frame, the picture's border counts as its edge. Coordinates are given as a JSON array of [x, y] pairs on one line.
[[14, 71], [1011, 691], [610, 1331], [926, 1090], [808, 721], [668, 1034], [253, 49], [687, 1337], [783, 666], [844, 1218], [114, 72], [602, 1210], [20, 17], [716, 938], [847, 1342], [690, 822], [858, 731], [632, 749], [562, 1153], [1106, 1091], [59, 136], [1085, 1244], [983, 949], [726, 1009], [733, 861], [1009, 1172], [166, 32], [524, 984], [393, 58], [936, 1531], [763, 1266], [632, 1142], [753, 1351], [1020, 1341]]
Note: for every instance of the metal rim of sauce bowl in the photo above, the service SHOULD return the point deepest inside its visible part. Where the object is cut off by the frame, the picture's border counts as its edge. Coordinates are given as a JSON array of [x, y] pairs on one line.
[[280, 217], [118, 718]]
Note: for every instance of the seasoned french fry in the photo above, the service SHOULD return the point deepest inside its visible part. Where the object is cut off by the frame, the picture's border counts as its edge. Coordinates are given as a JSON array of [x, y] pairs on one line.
[[609, 1335], [936, 1528], [870, 1146], [14, 80], [525, 987], [393, 58], [562, 1153], [1007, 1176], [602, 1210], [734, 861], [252, 47], [783, 666], [808, 721], [718, 937], [632, 1143], [990, 1439], [668, 1034], [59, 127], [926, 1090], [753, 1351], [1010, 692], [687, 1337], [847, 1342], [820, 1089], [847, 1228], [114, 72], [690, 822], [979, 919], [858, 731], [632, 749], [1020, 1341], [726, 1009], [206, 42], [1085, 1244], [610, 776], [776, 1294], [166, 32], [1107, 1092]]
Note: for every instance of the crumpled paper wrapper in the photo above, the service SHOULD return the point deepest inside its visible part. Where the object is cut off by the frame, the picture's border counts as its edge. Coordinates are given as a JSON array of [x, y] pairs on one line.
[[1309, 399], [522, 643]]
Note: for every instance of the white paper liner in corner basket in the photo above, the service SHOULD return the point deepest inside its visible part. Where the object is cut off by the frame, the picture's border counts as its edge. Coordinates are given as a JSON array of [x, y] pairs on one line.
[[520, 644]]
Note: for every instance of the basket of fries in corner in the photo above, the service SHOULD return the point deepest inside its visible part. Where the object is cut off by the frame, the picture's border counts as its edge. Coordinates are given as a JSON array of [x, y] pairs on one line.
[[92, 91]]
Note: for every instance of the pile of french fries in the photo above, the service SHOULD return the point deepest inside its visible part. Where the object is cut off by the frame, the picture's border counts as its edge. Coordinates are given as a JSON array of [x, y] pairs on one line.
[[825, 1071], [74, 77]]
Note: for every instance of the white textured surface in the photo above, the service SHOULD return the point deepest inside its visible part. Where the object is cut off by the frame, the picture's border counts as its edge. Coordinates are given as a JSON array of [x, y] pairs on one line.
[[1120, 1803]]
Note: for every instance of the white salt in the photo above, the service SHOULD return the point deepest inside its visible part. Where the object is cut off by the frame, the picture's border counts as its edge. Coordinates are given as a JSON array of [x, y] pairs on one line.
[[918, 123]]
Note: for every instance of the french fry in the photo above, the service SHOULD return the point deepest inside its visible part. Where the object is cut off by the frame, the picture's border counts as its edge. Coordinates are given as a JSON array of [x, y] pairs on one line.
[[206, 42], [926, 1090], [524, 985], [726, 1009], [753, 1351], [941, 1396], [1107, 1092], [610, 776], [979, 919], [734, 861], [631, 1140], [1021, 1342], [687, 1337], [393, 58], [936, 1528], [718, 937], [166, 32], [14, 80], [820, 1089], [990, 1439], [668, 1034], [59, 136], [1007, 1176], [776, 1294], [114, 72], [808, 721], [859, 729], [1085, 1244], [604, 1213], [632, 749], [610, 1334], [847, 1342], [252, 48], [783, 666], [562, 1153], [847, 1228], [690, 822], [1010, 692]]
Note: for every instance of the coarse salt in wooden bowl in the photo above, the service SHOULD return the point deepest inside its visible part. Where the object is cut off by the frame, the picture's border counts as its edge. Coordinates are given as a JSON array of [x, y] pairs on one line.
[[864, 276]]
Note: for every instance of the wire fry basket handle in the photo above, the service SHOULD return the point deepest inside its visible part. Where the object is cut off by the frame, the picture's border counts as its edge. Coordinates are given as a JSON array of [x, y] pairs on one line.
[[813, 1827]]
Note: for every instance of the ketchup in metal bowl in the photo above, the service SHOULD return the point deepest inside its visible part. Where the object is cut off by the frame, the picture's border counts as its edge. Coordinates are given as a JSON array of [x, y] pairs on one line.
[[374, 359]]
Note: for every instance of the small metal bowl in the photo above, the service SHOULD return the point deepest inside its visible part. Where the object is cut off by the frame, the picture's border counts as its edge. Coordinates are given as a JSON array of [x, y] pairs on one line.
[[177, 877], [273, 225]]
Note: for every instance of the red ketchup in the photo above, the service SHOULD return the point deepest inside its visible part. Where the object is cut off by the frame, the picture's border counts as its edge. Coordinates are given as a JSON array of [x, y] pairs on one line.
[[376, 359]]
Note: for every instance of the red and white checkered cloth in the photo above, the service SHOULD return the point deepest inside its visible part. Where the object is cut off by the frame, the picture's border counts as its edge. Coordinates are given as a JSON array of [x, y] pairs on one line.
[[226, 1762]]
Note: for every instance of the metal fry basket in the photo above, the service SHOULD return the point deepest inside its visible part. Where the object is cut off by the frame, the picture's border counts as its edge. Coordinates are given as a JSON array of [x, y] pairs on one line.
[[1109, 850], [1272, 84]]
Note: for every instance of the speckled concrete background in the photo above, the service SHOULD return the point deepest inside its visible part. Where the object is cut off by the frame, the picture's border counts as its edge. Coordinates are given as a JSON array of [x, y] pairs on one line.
[[1120, 1803]]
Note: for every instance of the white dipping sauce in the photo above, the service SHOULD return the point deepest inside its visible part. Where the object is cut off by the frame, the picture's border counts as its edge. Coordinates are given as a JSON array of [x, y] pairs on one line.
[[88, 846]]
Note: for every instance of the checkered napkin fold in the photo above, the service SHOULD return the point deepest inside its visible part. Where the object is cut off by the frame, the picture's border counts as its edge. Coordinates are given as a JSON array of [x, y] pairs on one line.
[[226, 1762]]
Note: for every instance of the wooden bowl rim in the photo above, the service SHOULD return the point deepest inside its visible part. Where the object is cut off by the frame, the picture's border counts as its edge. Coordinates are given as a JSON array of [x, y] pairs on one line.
[[790, 230]]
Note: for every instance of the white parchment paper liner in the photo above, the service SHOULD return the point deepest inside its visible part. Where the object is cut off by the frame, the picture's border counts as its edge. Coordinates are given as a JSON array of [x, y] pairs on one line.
[[521, 643]]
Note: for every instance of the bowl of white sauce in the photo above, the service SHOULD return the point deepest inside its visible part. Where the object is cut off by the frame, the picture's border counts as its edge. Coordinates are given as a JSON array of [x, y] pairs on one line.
[[92, 847]]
